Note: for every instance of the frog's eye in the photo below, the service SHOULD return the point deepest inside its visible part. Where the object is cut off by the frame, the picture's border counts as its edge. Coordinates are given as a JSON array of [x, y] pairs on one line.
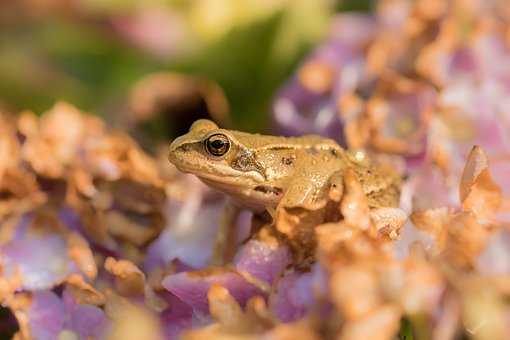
[[217, 145]]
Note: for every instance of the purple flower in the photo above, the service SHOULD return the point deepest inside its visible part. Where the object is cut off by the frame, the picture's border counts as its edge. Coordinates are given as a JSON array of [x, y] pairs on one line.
[[192, 287], [309, 102], [264, 261], [38, 253], [49, 316], [293, 297]]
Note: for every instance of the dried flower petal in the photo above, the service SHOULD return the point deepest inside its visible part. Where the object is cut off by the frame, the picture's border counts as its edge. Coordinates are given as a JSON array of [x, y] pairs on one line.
[[223, 307], [354, 206], [478, 192], [388, 221], [129, 279], [380, 324], [360, 297]]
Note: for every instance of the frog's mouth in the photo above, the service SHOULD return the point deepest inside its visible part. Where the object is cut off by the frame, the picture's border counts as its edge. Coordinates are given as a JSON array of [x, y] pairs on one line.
[[231, 178], [250, 196]]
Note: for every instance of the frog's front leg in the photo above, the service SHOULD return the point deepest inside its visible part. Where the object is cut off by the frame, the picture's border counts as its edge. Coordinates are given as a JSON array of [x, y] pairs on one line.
[[225, 243], [299, 211], [307, 190]]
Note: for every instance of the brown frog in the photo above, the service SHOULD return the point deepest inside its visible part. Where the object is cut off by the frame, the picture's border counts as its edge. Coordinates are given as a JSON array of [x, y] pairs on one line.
[[272, 173]]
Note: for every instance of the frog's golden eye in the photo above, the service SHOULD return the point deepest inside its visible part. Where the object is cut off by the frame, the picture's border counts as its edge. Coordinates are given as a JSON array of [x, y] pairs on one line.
[[217, 145]]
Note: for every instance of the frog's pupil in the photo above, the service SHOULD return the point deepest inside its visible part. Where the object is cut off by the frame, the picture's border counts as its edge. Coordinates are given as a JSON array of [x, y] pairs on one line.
[[217, 144]]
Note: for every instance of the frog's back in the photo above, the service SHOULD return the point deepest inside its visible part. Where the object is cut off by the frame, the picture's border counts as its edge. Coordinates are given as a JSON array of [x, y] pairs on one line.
[[381, 185], [267, 142]]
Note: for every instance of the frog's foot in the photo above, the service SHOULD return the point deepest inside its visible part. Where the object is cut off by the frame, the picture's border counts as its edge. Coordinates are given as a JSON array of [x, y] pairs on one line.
[[225, 243]]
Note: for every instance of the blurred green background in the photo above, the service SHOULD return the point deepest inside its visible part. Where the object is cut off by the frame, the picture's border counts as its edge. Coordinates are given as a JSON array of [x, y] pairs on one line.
[[92, 53]]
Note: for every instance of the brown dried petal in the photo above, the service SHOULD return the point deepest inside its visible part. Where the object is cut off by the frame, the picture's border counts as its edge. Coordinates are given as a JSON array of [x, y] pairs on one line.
[[257, 311], [223, 307], [317, 77], [381, 324], [357, 124], [297, 225], [434, 222], [294, 330], [387, 222], [131, 322], [79, 251], [354, 206], [138, 197], [83, 182], [422, 287], [8, 286], [330, 235], [9, 148], [142, 167], [40, 156], [137, 229], [357, 298], [94, 222], [478, 192], [130, 280], [466, 240], [62, 128], [83, 292]]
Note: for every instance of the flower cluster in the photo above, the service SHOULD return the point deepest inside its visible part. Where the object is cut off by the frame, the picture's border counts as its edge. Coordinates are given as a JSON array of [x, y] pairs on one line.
[[100, 240]]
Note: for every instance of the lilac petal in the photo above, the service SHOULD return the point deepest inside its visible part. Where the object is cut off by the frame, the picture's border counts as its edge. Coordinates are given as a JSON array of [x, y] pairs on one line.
[[262, 260], [294, 296], [176, 318], [193, 249], [320, 118], [298, 110], [191, 229], [88, 321], [463, 62], [46, 315], [192, 287], [84, 320], [244, 226], [174, 325], [295, 109], [42, 260], [405, 118], [428, 189]]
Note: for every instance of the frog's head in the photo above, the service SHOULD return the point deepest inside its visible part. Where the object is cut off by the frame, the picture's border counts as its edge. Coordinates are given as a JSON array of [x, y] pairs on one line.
[[216, 156]]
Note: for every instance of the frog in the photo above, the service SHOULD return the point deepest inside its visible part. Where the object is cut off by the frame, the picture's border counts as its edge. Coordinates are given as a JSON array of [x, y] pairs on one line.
[[266, 173]]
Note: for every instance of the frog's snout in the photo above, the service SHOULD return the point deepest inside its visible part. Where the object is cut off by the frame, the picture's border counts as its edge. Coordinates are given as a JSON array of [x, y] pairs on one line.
[[173, 151]]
